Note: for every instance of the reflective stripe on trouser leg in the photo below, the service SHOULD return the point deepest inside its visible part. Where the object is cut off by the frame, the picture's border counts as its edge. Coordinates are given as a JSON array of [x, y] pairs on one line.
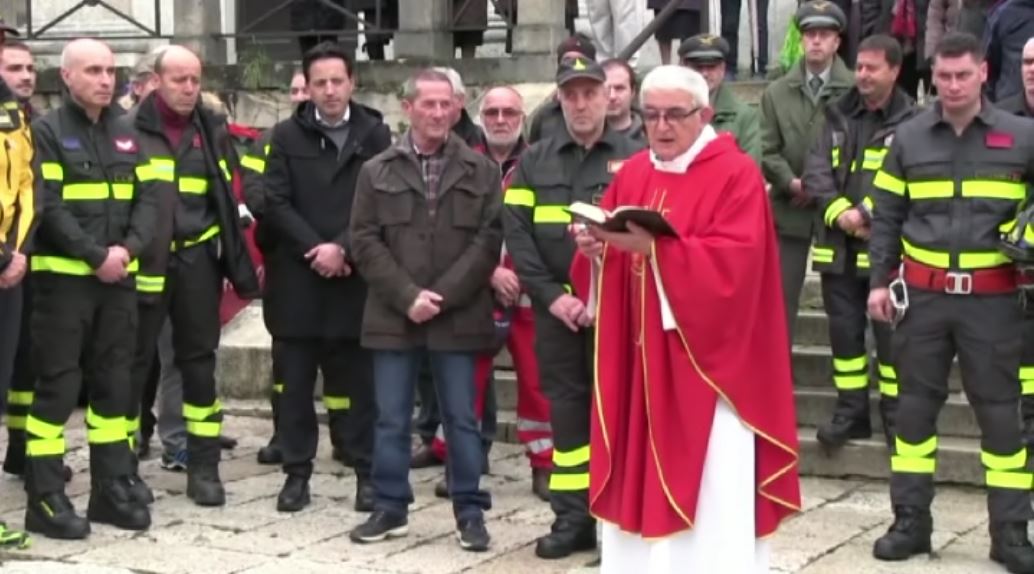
[[1007, 471], [888, 381], [570, 470], [203, 421], [850, 373], [132, 426], [18, 405]]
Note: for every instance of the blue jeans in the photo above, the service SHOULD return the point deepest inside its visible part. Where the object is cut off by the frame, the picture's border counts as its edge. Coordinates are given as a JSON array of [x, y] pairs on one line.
[[395, 377]]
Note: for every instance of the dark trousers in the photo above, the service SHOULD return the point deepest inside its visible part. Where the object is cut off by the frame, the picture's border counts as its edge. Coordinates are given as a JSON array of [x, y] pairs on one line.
[[395, 376], [793, 264], [10, 335], [1027, 371], [276, 354], [984, 331], [148, 421], [72, 314], [193, 287], [845, 298], [731, 29], [347, 372], [565, 366], [17, 377]]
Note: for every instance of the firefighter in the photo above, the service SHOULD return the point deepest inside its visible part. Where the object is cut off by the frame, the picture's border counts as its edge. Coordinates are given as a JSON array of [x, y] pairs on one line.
[[96, 222], [951, 181], [575, 164], [837, 174], [197, 242]]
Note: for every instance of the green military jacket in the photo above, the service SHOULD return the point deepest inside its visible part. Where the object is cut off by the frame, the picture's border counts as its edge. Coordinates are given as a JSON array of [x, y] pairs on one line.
[[733, 115], [790, 122]]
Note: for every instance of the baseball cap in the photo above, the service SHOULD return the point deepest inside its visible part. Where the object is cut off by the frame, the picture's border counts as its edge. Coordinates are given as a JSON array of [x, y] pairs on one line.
[[572, 68]]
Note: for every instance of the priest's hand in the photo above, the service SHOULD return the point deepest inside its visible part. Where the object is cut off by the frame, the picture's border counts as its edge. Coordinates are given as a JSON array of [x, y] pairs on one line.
[[588, 244], [880, 307], [635, 240], [426, 307], [571, 311]]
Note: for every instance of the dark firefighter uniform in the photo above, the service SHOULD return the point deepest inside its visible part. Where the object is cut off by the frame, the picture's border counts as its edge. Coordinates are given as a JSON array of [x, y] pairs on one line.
[[197, 243], [88, 176], [838, 174], [942, 201], [551, 175], [316, 321], [1017, 105]]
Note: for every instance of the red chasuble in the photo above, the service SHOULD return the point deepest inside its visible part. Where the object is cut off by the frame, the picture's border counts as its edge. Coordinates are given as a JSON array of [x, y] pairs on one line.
[[656, 390]]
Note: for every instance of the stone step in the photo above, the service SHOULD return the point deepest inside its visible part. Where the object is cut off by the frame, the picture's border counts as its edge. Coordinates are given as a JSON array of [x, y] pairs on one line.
[[815, 407]]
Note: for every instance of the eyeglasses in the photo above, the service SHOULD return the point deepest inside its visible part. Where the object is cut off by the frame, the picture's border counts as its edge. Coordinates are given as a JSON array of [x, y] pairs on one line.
[[506, 113], [671, 115]]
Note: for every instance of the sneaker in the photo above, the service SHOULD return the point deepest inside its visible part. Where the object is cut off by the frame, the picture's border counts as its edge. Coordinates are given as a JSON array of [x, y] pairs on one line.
[[473, 535], [380, 526], [174, 462]]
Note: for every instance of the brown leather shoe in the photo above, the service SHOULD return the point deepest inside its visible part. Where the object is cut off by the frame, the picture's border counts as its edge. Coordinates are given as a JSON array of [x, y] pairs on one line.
[[424, 457], [540, 483]]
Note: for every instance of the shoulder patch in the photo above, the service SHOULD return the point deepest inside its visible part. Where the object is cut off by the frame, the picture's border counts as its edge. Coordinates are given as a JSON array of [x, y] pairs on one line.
[[5, 119], [125, 144], [71, 143]]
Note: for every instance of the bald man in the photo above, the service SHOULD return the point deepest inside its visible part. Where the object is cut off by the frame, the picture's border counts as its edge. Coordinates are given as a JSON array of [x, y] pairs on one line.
[[197, 244], [96, 222]]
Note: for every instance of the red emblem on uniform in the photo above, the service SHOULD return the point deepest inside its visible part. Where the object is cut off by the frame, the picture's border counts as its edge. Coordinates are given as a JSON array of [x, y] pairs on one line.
[[999, 140], [125, 145], [197, 140]]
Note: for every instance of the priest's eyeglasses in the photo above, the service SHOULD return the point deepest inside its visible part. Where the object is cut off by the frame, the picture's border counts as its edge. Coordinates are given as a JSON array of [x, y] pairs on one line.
[[671, 115]]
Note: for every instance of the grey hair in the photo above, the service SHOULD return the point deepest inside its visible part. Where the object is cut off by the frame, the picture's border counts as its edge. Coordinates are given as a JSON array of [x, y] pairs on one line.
[[511, 89], [458, 89], [410, 90], [1029, 42], [676, 78]]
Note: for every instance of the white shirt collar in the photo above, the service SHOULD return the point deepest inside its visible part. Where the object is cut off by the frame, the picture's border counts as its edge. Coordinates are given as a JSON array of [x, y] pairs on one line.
[[344, 118], [824, 76], [681, 163]]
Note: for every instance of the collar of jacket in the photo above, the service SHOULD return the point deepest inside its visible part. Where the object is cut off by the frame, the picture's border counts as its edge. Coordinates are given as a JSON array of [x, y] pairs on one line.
[[725, 102], [515, 153], [76, 111], [148, 118], [852, 105], [360, 117], [453, 148], [986, 115], [839, 75], [6, 95], [611, 137]]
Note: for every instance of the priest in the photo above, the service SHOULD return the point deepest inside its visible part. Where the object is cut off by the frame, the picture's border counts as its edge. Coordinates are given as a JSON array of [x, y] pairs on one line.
[[694, 454]]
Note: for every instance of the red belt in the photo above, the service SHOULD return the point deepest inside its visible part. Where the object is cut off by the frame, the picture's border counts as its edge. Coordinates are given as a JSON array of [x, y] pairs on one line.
[[993, 281]]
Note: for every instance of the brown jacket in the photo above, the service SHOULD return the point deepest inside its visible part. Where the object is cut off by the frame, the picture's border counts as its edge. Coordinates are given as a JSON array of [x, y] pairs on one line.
[[400, 249]]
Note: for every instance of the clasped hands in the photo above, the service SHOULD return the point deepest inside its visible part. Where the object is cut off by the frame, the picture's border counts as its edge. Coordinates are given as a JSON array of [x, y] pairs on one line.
[[115, 267], [328, 260], [853, 223], [15, 270]]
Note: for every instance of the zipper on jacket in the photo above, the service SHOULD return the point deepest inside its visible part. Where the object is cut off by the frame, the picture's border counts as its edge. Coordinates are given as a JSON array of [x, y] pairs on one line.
[[7, 152]]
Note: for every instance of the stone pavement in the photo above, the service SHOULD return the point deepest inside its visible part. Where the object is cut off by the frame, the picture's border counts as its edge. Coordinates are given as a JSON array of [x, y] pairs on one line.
[[834, 534]]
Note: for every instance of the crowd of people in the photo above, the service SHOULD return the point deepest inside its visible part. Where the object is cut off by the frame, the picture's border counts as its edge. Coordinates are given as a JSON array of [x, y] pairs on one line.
[[399, 265]]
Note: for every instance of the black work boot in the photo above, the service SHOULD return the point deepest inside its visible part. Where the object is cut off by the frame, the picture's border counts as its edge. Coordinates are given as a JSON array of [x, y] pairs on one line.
[[294, 495], [908, 536], [1011, 548], [112, 502], [565, 539], [204, 486], [271, 453], [138, 490], [843, 428], [53, 516]]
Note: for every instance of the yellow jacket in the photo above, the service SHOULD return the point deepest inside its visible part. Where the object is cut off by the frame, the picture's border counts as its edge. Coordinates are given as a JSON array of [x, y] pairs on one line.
[[17, 197]]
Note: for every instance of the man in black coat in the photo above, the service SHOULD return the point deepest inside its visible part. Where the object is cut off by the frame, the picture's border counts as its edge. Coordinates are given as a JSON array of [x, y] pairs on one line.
[[313, 304]]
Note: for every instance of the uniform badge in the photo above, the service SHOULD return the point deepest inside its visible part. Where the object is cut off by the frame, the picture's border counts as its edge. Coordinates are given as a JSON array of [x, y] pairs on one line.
[[614, 166], [197, 141], [998, 140], [71, 143], [125, 145], [5, 120]]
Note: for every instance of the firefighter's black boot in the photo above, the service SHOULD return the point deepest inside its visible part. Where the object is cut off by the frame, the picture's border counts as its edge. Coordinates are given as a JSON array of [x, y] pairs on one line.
[[138, 489], [843, 428], [908, 536], [1011, 548], [204, 486], [271, 454], [53, 516], [565, 539], [112, 502]]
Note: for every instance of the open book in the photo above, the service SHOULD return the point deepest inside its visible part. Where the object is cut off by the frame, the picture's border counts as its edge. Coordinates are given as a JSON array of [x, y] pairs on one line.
[[618, 219]]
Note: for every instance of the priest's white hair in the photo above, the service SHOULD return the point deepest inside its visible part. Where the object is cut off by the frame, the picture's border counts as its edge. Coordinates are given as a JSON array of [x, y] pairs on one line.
[[675, 78]]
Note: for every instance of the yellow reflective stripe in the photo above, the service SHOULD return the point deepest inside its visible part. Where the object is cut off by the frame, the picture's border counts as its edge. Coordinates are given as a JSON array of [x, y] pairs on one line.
[[835, 157], [551, 214], [132, 425], [163, 169], [122, 191], [105, 435], [68, 266], [835, 209], [863, 261], [337, 403], [197, 413], [45, 447], [888, 389], [977, 260], [97, 421], [43, 429], [849, 364], [266, 149], [821, 254], [203, 429], [872, 160], [226, 170], [1013, 191], [208, 234], [868, 203], [255, 164], [919, 450], [278, 388], [572, 457], [20, 398], [16, 423], [569, 482], [194, 185], [887, 371], [84, 191], [150, 284], [1027, 387], [925, 256], [568, 289], [913, 465], [519, 196], [887, 182], [145, 172], [939, 189], [850, 382], [52, 171], [1004, 461], [1011, 480], [1027, 372]]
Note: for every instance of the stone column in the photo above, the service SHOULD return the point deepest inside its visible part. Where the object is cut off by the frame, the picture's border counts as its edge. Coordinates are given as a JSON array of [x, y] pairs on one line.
[[424, 30], [200, 18], [540, 27]]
